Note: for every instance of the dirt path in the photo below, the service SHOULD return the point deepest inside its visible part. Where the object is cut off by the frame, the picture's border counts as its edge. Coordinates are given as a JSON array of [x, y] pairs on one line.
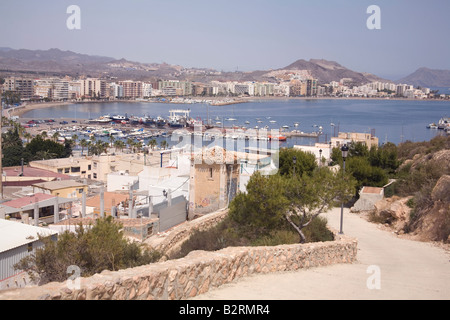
[[406, 269]]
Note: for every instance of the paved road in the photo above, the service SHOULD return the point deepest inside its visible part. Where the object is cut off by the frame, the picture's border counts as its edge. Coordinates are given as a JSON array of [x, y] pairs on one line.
[[388, 267]]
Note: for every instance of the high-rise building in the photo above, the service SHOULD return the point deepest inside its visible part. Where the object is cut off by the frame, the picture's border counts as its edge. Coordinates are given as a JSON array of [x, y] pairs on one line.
[[132, 89], [25, 87], [93, 87]]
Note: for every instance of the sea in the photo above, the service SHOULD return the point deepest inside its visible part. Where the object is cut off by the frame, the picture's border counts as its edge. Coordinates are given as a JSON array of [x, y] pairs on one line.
[[390, 120]]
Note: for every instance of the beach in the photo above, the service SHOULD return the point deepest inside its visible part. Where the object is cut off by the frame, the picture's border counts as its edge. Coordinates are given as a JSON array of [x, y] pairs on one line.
[[21, 110]]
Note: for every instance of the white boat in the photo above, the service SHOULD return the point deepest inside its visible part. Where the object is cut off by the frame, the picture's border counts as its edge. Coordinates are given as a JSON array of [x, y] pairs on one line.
[[230, 119]]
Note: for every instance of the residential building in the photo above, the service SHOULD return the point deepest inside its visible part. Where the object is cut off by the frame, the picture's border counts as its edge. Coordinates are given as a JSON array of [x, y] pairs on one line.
[[17, 241], [23, 209], [93, 87], [64, 188], [132, 89], [94, 167], [25, 87], [368, 139]]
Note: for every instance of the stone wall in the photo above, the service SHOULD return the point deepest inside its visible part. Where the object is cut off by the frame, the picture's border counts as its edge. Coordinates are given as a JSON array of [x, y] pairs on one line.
[[194, 274]]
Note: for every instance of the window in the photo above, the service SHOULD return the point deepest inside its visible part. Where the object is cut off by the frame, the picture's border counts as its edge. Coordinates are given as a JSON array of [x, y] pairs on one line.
[[60, 170], [66, 170], [210, 173], [95, 176], [89, 167], [30, 247]]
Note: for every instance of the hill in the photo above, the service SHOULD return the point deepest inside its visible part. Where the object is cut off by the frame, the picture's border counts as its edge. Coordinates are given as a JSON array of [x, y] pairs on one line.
[[428, 78], [61, 63], [327, 71]]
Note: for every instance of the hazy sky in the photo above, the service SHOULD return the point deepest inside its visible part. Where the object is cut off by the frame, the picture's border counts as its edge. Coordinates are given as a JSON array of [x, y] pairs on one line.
[[240, 34]]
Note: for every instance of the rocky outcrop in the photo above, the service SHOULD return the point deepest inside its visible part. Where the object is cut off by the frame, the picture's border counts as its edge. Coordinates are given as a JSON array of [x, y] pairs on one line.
[[433, 223], [393, 211]]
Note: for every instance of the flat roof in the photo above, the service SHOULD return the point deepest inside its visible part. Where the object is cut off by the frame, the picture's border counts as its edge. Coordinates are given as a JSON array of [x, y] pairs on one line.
[[374, 190], [55, 185], [32, 172], [15, 234]]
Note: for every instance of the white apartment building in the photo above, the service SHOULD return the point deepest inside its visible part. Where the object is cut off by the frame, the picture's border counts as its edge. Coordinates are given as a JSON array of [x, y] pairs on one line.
[[146, 89], [52, 88]]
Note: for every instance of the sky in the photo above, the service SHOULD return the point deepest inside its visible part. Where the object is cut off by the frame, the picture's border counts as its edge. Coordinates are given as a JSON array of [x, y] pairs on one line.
[[242, 35]]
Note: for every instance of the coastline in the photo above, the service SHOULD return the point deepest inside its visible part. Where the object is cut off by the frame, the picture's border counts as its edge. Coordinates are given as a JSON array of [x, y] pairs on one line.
[[20, 111]]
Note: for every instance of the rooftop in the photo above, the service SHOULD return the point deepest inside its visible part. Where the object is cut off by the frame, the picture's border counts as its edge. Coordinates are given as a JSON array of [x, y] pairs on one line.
[[33, 172], [15, 234], [55, 185], [27, 200], [372, 190]]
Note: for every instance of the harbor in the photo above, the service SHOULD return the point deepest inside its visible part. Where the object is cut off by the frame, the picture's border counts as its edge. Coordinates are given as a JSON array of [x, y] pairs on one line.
[[301, 122]]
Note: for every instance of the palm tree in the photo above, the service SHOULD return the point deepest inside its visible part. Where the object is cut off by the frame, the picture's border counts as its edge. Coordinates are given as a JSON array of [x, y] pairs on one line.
[[153, 143], [27, 136], [119, 144], [74, 139], [164, 144], [83, 144], [111, 140], [56, 136]]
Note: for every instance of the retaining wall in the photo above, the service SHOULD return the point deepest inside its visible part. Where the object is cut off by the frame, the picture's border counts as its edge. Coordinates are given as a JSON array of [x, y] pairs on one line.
[[194, 274]]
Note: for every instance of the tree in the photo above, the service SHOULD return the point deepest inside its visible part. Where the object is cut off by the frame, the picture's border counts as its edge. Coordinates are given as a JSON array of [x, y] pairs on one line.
[[12, 148], [83, 144], [152, 143], [164, 144], [38, 147], [273, 200], [262, 207], [304, 162], [101, 247], [311, 195]]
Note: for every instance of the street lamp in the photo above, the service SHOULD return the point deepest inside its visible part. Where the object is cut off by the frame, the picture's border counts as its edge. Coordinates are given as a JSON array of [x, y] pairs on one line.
[[294, 160], [320, 157], [344, 151]]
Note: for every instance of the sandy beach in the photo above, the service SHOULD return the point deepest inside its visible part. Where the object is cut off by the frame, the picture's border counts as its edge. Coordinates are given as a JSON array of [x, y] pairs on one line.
[[19, 111]]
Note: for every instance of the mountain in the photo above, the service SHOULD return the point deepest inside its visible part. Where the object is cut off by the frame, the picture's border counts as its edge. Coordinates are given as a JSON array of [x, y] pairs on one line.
[[61, 63], [428, 78], [326, 71]]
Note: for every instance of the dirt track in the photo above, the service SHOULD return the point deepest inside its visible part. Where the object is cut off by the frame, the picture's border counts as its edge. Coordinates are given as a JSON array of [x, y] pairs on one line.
[[407, 269]]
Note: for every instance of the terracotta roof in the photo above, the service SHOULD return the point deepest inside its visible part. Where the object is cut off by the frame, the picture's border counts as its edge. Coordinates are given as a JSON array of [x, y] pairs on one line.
[[24, 201], [371, 190], [109, 198], [33, 172]]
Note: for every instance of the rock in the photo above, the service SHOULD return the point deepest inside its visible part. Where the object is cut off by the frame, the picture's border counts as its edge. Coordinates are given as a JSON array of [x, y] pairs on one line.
[[393, 211], [441, 191]]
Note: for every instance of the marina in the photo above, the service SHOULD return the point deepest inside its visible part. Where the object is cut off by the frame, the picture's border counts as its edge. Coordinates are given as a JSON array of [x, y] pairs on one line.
[[299, 122]]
